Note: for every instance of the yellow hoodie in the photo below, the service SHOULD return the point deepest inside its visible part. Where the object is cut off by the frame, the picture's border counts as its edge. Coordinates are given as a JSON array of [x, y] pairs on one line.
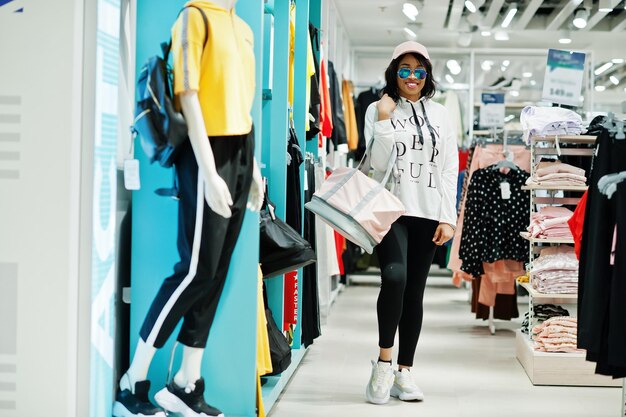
[[221, 69]]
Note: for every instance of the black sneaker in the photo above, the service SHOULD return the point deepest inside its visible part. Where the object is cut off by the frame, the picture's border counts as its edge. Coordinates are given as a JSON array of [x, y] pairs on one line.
[[128, 404], [188, 401]]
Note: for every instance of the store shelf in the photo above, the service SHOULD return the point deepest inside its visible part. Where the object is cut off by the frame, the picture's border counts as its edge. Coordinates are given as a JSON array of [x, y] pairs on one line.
[[508, 105], [556, 298], [563, 369], [589, 139], [526, 236], [555, 187], [276, 384]]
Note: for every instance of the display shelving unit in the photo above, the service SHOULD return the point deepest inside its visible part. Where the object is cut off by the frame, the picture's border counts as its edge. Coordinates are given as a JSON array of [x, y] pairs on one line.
[[547, 368]]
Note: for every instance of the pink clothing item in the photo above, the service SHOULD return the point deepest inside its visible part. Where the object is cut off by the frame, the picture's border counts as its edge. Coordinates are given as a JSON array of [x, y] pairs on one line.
[[560, 176], [499, 278], [558, 334], [482, 158], [550, 222], [545, 168]]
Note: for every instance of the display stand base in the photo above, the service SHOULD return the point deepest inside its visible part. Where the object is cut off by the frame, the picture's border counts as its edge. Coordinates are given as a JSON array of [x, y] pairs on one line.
[[562, 369], [276, 384]]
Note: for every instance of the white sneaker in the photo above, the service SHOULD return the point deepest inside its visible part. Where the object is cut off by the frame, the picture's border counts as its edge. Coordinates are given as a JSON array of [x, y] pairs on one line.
[[379, 387], [404, 388]]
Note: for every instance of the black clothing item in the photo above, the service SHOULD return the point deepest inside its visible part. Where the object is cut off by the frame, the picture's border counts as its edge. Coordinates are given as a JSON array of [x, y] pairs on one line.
[[193, 400], [339, 136], [311, 328], [405, 255], [293, 214], [602, 286], [137, 404], [364, 100], [316, 100], [491, 224], [206, 242]]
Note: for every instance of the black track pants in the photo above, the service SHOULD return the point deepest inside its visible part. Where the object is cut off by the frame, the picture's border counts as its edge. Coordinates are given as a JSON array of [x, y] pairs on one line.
[[206, 242], [405, 256]]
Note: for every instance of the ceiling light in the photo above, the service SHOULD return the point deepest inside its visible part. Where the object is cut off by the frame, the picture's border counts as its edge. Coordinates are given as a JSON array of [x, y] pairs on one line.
[[410, 10], [617, 60], [533, 83], [600, 88], [485, 33], [565, 40], [605, 6], [602, 68], [527, 74], [470, 6], [515, 93], [614, 79], [449, 79], [502, 36], [410, 33], [506, 63], [453, 66], [487, 65], [580, 18], [509, 15]]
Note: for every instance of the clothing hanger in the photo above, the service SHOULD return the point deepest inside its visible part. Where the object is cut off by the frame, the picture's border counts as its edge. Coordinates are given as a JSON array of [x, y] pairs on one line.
[[608, 183], [615, 125]]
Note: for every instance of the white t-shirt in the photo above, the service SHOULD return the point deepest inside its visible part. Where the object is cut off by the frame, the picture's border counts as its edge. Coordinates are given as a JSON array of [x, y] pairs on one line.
[[426, 175]]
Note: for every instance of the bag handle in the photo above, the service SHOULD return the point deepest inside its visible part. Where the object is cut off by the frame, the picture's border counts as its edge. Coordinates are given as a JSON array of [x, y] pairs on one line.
[[167, 47], [364, 164]]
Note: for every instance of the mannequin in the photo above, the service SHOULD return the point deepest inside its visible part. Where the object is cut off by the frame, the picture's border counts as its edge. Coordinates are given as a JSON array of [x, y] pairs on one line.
[[205, 162]]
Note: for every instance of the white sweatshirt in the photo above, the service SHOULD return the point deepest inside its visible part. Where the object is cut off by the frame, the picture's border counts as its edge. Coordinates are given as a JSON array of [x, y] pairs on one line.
[[426, 176]]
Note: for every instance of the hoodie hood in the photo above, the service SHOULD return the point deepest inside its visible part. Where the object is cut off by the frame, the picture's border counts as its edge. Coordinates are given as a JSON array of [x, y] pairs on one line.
[[208, 5]]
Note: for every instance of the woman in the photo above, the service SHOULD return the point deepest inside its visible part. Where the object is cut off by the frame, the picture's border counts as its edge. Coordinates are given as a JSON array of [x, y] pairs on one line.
[[406, 121]]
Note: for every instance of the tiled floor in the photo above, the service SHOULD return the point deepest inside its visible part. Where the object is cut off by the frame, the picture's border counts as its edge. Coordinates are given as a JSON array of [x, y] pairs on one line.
[[462, 369]]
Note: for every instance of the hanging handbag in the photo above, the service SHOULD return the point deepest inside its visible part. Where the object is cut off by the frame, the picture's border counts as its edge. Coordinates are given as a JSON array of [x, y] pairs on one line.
[[358, 207], [280, 351], [281, 248]]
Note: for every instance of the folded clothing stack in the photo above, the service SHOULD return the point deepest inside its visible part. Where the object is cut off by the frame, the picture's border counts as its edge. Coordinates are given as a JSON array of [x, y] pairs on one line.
[[543, 312], [558, 334], [555, 271], [547, 121], [557, 174], [551, 222]]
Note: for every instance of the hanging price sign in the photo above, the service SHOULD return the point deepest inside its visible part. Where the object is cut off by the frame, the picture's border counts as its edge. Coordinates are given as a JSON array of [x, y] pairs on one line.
[[492, 110], [563, 81]]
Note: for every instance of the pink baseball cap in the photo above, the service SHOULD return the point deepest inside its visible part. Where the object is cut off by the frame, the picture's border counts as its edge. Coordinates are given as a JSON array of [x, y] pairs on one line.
[[410, 46]]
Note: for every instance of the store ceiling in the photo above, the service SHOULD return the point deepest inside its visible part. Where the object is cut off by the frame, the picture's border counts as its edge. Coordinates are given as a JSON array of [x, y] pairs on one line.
[[450, 25]]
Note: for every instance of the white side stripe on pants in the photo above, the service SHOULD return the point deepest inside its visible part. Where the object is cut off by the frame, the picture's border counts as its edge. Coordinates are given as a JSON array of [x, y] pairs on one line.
[[193, 266]]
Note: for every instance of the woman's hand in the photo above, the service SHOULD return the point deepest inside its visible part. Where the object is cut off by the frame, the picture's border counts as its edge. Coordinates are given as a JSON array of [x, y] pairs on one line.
[[385, 107], [443, 233]]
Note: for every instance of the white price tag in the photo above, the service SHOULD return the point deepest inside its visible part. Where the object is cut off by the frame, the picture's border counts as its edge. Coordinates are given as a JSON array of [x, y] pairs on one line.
[[505, 190], [131, 174]]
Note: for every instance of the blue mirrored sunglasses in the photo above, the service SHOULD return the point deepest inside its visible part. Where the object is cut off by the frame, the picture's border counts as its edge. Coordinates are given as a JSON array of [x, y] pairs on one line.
[[419, 73]]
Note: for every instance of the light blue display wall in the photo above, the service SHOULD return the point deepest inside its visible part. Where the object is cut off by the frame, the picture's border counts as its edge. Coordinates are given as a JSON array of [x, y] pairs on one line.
[[230, 361], [229, 365]]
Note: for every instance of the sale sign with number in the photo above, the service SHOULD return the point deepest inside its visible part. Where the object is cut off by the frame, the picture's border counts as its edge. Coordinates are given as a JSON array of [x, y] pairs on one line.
[[564, 77]]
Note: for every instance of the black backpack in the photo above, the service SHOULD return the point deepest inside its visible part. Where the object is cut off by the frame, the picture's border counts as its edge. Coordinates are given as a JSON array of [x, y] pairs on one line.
[[161, 127]]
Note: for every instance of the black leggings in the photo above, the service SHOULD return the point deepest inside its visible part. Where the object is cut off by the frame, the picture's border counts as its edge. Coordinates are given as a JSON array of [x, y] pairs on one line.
[[405, 256]]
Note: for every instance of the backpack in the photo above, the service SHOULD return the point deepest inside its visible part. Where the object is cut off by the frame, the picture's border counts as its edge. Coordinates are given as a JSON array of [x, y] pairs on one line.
[[162, 129]]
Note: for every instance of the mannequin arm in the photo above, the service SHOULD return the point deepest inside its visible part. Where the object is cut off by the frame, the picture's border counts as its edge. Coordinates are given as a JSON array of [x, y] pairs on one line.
[[216, 191]]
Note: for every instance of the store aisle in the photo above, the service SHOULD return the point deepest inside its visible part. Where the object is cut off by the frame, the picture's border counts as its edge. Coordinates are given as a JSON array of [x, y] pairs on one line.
[[463, 371]]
